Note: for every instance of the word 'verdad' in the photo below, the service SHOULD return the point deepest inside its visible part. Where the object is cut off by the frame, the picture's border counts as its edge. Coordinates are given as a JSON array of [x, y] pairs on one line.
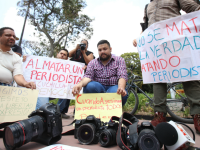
[[170, 50]]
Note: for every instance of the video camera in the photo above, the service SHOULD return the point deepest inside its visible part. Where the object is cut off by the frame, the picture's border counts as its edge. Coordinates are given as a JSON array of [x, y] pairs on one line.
[[44, 126]]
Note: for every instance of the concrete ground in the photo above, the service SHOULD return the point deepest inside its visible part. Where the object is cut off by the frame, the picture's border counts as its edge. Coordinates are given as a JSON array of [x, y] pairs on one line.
[[71, 141]]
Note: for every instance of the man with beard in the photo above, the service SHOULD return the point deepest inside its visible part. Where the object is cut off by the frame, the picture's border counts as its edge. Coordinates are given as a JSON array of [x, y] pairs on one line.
[[10, 62], [106, 74]]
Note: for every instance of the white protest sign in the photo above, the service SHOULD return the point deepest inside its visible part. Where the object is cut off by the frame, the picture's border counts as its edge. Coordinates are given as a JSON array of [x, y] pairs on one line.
[[53, 77], [62, 147], [170, 50]]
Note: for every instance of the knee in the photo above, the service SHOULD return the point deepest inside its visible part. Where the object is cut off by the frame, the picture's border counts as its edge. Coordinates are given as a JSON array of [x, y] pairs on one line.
[[93, 87]]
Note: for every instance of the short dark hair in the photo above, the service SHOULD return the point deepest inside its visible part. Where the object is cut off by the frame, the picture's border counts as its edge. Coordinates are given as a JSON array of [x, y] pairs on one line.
[[103, 42], [4, 28], [63, 49], [85, 40]]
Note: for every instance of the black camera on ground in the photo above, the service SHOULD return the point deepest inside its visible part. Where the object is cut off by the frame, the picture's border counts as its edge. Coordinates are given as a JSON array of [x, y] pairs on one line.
[[87, 130], [83, 46], [147, 139], [108, 133], [44, 126]]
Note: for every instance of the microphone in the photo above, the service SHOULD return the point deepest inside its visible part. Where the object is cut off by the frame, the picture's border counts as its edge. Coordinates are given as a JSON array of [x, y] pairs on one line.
[[173, 136], [166, 133]]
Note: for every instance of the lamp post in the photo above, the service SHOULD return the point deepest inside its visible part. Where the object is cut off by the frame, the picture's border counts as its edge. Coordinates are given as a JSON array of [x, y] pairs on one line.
[[20, 41]]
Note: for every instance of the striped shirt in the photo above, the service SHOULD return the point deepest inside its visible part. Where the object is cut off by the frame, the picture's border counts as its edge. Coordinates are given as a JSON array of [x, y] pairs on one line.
[[108, 74], [159, 10]]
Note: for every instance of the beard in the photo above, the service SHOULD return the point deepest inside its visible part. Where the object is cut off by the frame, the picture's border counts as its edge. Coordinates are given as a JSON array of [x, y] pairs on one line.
[[105, 58]]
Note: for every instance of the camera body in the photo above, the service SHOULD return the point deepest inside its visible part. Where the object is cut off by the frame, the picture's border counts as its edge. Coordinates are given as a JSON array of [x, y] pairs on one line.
[[53, 119], [44, 126], [87, 130], [108, 133], [82, 46], [147, 139]]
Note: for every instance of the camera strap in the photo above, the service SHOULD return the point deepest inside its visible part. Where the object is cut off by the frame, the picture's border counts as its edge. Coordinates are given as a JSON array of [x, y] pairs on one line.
[[133, 134]]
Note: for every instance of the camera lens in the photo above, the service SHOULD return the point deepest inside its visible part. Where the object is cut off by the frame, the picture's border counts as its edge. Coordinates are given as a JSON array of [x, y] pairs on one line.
[[107, 137], [22, 132], [86, 134], [148, 141]]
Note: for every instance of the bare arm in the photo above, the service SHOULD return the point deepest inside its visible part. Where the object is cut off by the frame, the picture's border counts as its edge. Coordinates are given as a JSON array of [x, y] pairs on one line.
[[87, 58], [121, 87], [72, 52], [77, 88], [22, 82]]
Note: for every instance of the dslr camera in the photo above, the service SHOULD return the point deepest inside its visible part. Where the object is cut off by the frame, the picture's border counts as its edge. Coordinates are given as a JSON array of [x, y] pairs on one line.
[[108, 134], [44, 126], [82, 46], [87, 130], [147, 139]]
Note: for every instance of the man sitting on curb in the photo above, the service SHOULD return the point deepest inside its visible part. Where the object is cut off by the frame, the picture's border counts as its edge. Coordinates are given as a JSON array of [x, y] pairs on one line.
[[106, 74]]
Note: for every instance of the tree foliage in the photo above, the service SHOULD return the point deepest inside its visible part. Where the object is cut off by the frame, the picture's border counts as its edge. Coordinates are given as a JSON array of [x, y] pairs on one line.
[[58, 22], [132, 63], [133, 66]]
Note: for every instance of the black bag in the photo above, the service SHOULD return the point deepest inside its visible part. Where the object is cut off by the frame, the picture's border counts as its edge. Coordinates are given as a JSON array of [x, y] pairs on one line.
[[121, 138], [145, 25]]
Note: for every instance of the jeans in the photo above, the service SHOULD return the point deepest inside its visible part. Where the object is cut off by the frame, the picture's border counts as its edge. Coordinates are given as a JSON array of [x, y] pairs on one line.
[[64, 105], [96, 87], [41, 101], [4, 84]]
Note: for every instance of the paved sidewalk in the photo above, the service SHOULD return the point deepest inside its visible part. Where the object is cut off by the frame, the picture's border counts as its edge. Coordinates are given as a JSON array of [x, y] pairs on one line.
[[69, 140]]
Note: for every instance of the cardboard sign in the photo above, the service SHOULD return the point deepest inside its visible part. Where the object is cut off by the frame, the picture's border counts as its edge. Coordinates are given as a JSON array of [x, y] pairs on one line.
[[170, 50], [101, 105], [16, 103], [53, 77], [62, 147]]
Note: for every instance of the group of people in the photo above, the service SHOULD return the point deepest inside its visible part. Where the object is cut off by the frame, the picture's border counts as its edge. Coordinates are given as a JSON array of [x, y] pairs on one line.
[[107, 73]]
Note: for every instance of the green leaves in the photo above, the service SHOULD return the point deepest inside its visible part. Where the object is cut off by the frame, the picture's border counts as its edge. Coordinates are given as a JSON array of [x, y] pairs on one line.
[[59, 21]]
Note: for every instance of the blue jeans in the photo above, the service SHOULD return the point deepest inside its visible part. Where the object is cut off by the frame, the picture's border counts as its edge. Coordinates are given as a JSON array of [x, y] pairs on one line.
[[96, 87], [41, 101], [4, 84], [64, 105]]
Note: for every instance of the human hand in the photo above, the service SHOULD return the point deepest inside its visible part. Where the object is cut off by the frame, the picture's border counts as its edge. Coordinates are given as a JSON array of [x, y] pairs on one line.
[[135, 42], [84, 67], [30, 85], [24, 58], [76, 89], [121, 91], [78, 46]]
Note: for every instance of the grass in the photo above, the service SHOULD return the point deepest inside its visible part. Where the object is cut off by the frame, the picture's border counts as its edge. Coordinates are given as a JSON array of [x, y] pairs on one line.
[[143, 107], [55, 101]]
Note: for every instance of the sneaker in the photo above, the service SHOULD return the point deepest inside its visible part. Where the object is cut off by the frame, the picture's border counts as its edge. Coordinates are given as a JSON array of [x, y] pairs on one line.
[[196, 119], [65, 116], [158, 118]]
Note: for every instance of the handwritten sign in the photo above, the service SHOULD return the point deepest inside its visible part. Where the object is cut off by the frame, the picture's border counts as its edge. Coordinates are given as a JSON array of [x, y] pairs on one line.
[[53, 77], [62, 147], [101, 105], [16, 103], [170, 50]]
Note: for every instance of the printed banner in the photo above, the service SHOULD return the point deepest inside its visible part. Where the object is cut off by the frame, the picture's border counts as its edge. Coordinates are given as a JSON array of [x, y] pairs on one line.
[[101, 105], [170, 50], [53, 77], [16, 103]]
